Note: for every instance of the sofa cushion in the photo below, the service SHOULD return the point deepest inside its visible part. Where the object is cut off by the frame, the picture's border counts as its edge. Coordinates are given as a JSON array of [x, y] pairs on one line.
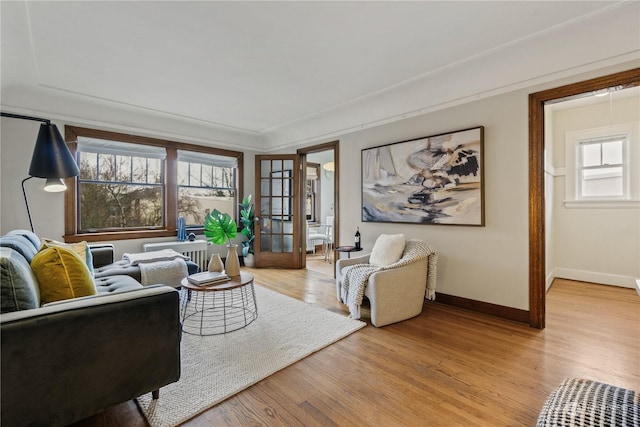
[[61, 275], [29, 235], [80, 248], [21, 244], [119, 268], [18, 284], [118, 283], [123, 267], [387, 250]]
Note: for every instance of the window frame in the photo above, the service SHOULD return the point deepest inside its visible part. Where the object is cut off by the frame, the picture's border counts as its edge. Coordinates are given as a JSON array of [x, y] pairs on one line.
[[313, 192], [631, 152], [170, 185], [203, 161], [624, 164]]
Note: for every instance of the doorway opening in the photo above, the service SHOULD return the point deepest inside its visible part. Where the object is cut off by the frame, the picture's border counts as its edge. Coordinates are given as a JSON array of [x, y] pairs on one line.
[[537, 210], [320, 205]]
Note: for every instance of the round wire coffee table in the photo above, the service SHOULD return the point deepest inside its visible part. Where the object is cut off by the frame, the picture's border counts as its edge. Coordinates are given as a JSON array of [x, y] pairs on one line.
[[219, 308]]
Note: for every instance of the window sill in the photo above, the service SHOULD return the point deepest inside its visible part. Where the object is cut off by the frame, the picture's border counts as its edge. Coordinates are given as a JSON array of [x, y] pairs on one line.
[[602, 204], [118, 235]]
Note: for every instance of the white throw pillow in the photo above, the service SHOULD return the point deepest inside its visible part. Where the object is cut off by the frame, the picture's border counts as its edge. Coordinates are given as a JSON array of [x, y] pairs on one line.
[[387, 250]]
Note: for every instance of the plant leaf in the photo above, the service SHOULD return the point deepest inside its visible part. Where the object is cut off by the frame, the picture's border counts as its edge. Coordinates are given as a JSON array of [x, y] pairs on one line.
[[220, 228]]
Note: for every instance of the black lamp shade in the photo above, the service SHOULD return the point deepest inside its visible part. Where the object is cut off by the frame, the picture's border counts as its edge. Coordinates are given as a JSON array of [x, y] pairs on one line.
[[51, 156]]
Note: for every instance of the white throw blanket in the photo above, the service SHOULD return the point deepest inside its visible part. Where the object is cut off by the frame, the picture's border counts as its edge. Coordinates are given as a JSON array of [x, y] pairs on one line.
[[356, 276], [169, 272], [165, 267], [163, 255]]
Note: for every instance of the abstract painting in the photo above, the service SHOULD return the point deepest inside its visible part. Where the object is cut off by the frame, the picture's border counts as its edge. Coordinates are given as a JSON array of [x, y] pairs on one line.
[[430, 180]]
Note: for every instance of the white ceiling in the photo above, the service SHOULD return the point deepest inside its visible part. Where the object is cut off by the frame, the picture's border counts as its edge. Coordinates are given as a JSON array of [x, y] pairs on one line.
[[263, 68]]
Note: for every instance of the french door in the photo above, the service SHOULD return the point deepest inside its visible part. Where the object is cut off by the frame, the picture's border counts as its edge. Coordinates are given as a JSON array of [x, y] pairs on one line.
[[277, 210]]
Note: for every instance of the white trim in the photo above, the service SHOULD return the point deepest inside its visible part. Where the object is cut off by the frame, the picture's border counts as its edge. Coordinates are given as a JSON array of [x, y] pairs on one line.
[[602, 204], [595, 277], [207, 159], [638, 286], [632, 160], [555, 172], [119, 148], [550, 278]]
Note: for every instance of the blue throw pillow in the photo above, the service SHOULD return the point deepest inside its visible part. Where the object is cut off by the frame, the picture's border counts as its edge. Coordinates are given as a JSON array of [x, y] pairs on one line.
[[18, 285]]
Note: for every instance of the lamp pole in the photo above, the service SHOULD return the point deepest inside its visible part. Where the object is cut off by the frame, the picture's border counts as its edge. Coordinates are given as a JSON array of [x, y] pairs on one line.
[[51, 157]]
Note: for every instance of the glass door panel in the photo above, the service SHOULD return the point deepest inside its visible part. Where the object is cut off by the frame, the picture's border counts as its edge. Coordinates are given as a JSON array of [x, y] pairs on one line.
[[278, 243]]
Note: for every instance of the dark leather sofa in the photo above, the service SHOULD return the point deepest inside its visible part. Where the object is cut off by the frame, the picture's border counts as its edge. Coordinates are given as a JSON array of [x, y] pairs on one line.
[[71, 359]]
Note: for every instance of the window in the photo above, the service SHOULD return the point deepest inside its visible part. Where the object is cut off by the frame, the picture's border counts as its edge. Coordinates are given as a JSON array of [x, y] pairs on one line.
[[137, 187], [312, 191], [602, 167], [120, 185], [205, 182]]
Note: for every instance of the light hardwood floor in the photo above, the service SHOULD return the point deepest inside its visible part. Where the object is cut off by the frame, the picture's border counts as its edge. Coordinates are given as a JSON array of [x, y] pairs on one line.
[[446, 367]]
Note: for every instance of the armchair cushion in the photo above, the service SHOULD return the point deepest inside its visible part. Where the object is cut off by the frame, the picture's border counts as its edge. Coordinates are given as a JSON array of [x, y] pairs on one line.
[[387, 250], [61, 275]]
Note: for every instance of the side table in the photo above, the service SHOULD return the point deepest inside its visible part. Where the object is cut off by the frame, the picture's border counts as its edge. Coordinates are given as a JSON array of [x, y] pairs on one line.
[[218, 308], [348, 250]]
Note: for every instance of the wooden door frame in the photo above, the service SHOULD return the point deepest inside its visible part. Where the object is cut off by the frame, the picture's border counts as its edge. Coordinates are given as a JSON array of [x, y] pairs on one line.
[[335, 147], [279, 261], [537, 273]]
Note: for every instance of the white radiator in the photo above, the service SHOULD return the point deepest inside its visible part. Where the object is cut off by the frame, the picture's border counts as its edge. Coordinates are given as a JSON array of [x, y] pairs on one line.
[[196, 250]]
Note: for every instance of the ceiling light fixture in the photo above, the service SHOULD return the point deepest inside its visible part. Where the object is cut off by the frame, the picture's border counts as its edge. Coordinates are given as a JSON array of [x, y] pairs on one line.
[[329, 166]]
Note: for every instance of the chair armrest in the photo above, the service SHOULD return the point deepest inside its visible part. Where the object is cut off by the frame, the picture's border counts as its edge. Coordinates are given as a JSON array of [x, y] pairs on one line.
[[81, 356], [345, 262], [103, 254], [397, 294]]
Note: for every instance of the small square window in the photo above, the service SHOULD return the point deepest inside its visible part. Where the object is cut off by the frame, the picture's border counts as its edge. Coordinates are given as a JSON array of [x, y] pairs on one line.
[[602, 168]]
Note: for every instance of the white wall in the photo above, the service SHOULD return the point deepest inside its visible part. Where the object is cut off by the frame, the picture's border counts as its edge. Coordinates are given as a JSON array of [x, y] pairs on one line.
[[600, 245], [482, 263], [549, 172], [18, 138], [487, 263]]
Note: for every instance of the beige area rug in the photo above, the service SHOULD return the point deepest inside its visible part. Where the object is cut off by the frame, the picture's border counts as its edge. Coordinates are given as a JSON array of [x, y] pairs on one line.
[[217, 367]]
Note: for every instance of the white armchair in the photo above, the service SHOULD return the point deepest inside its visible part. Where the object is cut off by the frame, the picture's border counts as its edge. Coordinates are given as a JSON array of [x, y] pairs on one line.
[[396, 291]]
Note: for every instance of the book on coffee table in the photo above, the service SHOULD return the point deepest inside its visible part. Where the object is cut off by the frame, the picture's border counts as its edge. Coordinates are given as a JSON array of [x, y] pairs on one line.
[[207, 278]]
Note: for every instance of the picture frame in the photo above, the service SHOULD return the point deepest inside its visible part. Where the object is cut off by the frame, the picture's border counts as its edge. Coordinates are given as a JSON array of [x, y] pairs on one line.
[[437, 179]]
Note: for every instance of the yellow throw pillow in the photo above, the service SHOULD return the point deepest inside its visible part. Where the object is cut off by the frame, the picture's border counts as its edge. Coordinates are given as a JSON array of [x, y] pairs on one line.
[[80, 248], [61, 274]]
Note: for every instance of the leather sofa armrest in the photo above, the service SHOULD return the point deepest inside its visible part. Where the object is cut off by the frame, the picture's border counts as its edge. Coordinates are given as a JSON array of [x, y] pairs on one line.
[[78, 357], [103, 254]]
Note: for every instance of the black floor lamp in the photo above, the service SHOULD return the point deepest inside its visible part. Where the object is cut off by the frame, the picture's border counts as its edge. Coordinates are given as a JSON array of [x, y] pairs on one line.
[[51, 159]]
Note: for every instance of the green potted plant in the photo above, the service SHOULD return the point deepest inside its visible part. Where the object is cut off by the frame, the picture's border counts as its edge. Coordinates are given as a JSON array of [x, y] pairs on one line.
[[247, 217], [220, 228]]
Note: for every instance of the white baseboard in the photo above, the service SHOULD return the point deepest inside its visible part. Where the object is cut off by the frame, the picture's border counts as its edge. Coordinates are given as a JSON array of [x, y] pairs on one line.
[[594, 277], [549, 280]]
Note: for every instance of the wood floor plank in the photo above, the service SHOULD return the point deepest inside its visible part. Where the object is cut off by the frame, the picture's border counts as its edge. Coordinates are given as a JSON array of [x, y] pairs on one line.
[[447, 366]]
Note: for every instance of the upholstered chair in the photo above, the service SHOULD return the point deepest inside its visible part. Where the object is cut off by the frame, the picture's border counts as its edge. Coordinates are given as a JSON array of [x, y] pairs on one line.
[[397, 276]]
